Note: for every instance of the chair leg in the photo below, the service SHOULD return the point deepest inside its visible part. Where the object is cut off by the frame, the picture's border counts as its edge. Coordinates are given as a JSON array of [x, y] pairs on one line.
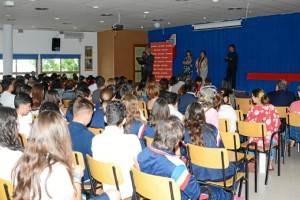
[[240, 188], [298, 147], [279, 160], [255, 173], [267, 170], [246, 189]]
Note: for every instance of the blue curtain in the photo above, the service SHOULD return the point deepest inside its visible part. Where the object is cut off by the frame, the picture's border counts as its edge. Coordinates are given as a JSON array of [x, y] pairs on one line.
[[264, 44]]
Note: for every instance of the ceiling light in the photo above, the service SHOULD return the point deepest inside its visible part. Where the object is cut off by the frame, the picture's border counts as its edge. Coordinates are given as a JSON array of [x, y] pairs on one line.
[[146, 12], [169, 22], [204, 17], [7, 15], [101, 21], [57, 18], [96, 7], [8, 3], [74, 27], [215, 1], [32, 0], [32, 26], [142, 27], [41, 8]]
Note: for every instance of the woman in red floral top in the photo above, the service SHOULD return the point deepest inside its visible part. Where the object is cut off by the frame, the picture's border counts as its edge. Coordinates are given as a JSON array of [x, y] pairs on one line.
[[264, 112]]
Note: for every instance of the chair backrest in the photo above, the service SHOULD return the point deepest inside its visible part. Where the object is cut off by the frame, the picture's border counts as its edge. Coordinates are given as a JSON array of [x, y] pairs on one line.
[[243, 104], [6, 189], [208, 157], [139, 92], [231, 140], [78, 159], [34, 116], [154, 187], [282, 111], [23, 139], [251, 129], [145, 113], [66, 102], [95, 131], [224, 125], [142, 104], [293, 119], [106, 173], [240, 115]]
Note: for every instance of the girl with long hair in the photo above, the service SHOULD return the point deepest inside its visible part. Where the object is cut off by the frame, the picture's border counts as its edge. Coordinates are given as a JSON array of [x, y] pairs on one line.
[[10, 146], [134, 124]]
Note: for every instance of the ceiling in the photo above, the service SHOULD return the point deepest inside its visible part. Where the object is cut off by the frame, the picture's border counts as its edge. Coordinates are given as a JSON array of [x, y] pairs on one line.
[[79, 15]]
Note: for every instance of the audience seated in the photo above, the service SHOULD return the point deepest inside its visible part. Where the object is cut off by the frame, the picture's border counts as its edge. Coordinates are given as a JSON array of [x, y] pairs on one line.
[[176, 84], [164, 87], [188, 97], [134, 124], [172, 100], [57, 85], [264, 112], [116, 147], [7, 98], [225, 111], [100, 81], [281, 97], [152, 91], [10, 146], [81, 137], [160, 111], [23, 106], [200, 133], [69, 90], [37, 98]]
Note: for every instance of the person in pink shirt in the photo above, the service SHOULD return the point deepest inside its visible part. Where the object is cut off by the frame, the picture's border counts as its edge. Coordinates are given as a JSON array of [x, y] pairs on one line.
[[295, 106]]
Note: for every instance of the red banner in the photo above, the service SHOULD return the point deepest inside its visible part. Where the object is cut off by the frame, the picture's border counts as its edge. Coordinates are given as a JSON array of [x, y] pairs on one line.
[[163, 59]]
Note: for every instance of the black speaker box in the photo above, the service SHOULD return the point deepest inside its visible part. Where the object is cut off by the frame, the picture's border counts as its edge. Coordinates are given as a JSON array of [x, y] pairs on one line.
[[55, 44]]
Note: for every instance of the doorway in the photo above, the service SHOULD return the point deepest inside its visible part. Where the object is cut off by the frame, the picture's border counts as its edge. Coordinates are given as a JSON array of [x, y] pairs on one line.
[[137, 52]]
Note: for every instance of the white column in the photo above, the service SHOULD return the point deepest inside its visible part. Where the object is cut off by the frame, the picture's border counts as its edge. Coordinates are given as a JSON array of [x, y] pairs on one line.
[[7, 49]]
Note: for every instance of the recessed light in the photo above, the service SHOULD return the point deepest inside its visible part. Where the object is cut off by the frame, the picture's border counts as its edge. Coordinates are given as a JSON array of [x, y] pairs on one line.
[[32, 26], [101, 21], [74, 27], [7, 15], [96, 7], [106, 15], [41, 8], [169, 22], [146, 12], [32, 0], [204, 17], [142, 27], [215, 1], [57, 18]]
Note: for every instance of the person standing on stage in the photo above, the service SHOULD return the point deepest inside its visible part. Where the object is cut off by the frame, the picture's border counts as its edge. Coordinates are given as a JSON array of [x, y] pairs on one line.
[[232, 59], [202, 65], [187, 64], [148, 67]]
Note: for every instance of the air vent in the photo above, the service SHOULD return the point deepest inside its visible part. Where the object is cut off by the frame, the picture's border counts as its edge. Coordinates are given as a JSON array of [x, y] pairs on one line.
[[234, 8], [41, 8], [158, 20], [73, 35], [106, 15]]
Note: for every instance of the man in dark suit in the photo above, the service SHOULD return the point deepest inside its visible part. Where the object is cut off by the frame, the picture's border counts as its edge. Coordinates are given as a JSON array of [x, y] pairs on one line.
[[148, 67], [232, 60], [281, 97]]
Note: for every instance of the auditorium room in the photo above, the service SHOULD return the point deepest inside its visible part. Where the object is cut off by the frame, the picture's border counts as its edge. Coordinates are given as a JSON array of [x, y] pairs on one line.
[[149, 99]]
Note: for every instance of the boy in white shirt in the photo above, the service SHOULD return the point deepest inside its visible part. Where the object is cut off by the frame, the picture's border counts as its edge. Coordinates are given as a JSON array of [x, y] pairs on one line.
[[23, 105]]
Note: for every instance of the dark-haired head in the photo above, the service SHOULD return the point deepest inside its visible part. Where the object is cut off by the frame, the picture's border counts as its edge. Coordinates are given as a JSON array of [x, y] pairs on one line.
[[160, 111], [49, 106], [125, 89], [164, 84], [8, 129], [172, 98], [56, 84], [259, 97], [188, 53], [168, 132], [115, 114], [23, 100]]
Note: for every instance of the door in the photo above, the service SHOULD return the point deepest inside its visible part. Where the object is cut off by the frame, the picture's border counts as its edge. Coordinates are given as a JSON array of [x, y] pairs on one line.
[[138, 51]]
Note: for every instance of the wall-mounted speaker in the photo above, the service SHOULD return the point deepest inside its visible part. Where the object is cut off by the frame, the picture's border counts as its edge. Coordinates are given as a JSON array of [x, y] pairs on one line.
[[55, 44]]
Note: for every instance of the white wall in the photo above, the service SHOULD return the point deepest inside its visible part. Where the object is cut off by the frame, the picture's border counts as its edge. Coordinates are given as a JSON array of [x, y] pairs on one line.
[[40, 42]]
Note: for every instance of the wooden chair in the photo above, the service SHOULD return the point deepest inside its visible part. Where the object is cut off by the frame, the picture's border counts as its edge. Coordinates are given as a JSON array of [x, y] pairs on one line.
[[292, 120], [240, 115], [78, 159], [66, 102], [282, 112], [96, 131], [232, 143], [253, 129], [140, 92], [149, 140], [243, 104], [105, 173], [142, 104], [217, 158], [145, 113], [224, 125], [153, 187], [23, 139], [6, 189]]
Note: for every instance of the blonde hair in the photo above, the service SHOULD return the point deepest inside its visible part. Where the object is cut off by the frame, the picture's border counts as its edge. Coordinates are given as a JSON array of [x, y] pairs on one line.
[[49, 143]]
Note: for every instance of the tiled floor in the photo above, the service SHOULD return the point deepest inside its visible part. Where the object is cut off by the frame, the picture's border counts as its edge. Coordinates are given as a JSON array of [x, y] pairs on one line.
[[286, 186]]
